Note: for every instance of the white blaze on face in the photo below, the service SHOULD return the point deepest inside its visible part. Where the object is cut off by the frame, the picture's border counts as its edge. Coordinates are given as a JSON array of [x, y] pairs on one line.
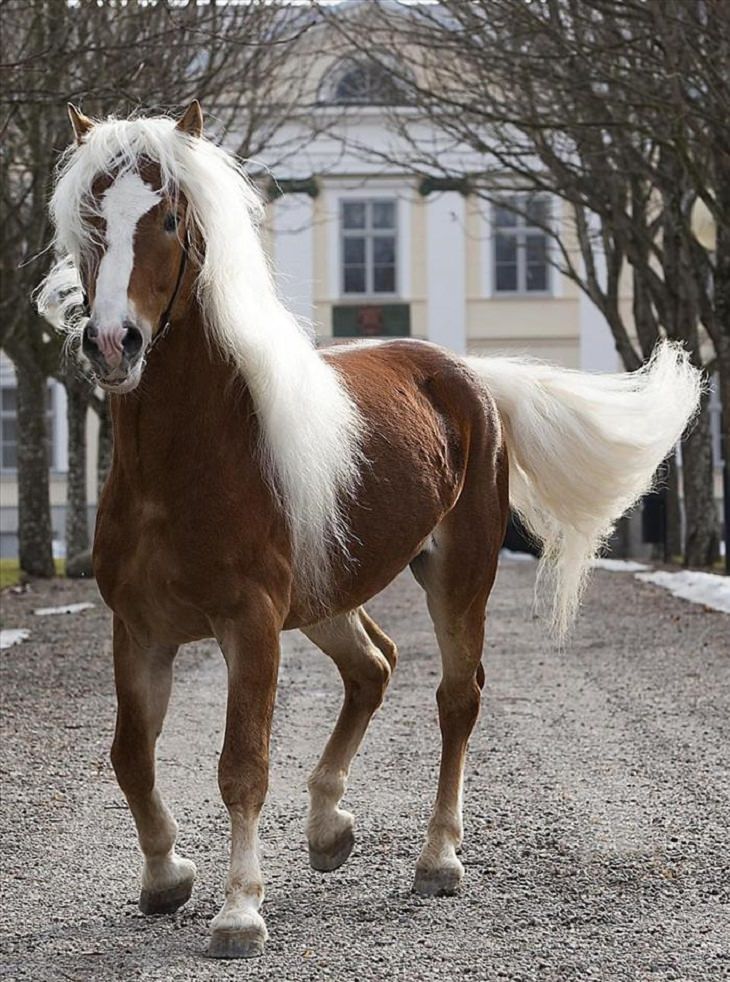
[[122, 206]]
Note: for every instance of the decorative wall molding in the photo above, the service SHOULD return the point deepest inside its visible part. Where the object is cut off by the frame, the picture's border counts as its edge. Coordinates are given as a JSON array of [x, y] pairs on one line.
[[278, 187], [428, 185]]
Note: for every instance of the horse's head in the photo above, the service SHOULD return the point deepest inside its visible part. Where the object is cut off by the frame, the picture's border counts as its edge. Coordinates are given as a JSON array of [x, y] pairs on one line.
[[134, 268]]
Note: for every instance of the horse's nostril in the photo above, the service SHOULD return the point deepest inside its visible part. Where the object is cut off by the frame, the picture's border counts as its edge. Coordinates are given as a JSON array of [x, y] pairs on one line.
[[132, 342], [89, 339]]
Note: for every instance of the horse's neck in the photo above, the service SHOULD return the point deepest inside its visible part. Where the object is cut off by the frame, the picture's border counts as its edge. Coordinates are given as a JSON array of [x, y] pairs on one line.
[[182, 406]]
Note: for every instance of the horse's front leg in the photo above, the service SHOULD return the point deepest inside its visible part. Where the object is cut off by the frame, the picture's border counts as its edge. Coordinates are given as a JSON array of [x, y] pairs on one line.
[[251, 650], [143, 676]]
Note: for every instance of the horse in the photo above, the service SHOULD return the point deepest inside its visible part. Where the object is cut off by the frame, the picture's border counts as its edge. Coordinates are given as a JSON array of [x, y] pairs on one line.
[[261, 485]]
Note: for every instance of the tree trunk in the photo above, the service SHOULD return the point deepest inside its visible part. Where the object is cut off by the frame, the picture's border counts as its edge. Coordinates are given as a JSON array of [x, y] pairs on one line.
[[702, 539], [721, 300], [35, 534], [105, 446], [681, 320], [77, 525], [723, 365], [673, 535]]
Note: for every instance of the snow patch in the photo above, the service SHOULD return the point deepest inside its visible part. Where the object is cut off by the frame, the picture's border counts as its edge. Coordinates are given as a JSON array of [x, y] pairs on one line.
[[67, 609], [11, 636], [620, 565], [519, 557], [709, 589]]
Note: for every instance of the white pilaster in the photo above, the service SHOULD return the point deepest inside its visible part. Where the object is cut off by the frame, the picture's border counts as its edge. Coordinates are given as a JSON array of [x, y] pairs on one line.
[[293, 242], [597, 348], [446, 270]]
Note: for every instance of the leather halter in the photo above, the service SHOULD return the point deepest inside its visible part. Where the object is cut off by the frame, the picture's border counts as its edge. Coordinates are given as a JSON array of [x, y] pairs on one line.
[[163, 325]]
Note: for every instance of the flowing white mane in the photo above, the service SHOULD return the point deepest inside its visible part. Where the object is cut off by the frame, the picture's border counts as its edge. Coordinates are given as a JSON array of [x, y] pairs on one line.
[[311, 427]]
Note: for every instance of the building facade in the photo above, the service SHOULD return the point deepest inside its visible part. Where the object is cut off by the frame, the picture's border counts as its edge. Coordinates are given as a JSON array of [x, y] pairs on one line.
[[362, 247], [388, 256]]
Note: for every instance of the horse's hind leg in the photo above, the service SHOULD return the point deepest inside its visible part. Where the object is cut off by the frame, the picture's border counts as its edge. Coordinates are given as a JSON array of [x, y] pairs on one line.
[[143, 677], [439, 871], [457, 574], [365, 658]]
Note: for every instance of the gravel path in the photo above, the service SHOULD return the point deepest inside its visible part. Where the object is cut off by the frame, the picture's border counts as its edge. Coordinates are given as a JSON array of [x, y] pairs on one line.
[[596, 806]]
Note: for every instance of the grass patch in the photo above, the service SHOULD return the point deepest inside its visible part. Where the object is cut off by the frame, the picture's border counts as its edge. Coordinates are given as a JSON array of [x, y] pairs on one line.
[[11, 574]]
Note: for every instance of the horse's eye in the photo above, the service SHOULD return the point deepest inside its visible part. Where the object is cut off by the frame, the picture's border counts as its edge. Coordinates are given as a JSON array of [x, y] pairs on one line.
[[170, 222]]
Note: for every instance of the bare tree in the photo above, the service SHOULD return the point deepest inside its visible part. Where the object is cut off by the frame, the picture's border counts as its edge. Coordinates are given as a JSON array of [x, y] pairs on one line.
[[111, 58], [615, 108]]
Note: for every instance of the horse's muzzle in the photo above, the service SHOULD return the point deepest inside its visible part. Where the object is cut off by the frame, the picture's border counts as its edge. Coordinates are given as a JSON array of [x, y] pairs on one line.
[[114, 354]]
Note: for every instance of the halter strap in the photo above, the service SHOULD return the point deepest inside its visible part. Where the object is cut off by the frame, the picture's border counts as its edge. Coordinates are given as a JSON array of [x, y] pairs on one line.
[[164, 323]]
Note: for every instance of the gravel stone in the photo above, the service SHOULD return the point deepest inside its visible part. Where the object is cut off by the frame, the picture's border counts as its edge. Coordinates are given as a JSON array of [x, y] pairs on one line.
[[596, 804]]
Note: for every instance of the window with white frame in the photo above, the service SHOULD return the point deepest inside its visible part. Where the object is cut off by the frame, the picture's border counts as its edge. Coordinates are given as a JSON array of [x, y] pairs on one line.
[[9, 427], [521, 245], [368, 246]]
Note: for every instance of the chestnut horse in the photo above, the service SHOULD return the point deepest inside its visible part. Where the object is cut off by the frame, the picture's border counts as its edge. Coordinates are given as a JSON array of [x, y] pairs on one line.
[[259, 485]]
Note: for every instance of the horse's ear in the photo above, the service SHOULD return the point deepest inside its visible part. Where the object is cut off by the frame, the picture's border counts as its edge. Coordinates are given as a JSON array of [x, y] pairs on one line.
[[192, 120], [81, 124]]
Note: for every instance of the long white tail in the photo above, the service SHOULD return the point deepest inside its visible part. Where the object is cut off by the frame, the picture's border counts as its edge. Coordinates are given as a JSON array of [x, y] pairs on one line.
[[583, 449]]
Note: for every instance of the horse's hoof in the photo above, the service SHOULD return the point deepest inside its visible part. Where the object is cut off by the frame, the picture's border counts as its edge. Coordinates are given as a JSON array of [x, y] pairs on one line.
[[326, 862], [235, 944], [165, 901], [442, 882], [167, 883], [237, 933]]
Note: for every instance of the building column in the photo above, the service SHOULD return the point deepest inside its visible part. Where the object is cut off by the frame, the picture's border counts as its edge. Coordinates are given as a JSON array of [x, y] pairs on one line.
[[293, 248], [597, 346], [446, 269]]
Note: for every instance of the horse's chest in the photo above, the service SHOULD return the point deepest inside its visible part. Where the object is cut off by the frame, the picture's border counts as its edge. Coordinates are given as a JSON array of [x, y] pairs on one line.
[[168, 564], [144, 571]]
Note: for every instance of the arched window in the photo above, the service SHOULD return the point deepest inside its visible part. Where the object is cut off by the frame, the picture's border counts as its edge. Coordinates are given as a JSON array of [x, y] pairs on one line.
[[361, 83]]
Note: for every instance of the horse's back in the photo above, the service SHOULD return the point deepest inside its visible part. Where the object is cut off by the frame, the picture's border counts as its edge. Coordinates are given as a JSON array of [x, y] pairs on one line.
[[423, 397]]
